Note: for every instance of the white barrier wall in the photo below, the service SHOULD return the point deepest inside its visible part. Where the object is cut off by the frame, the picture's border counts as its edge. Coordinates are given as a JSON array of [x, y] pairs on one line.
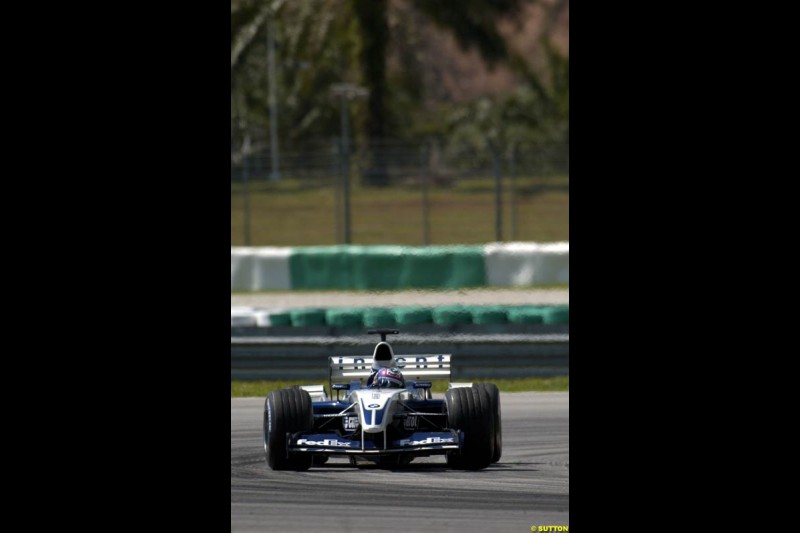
[[517, 264], [258, 269]]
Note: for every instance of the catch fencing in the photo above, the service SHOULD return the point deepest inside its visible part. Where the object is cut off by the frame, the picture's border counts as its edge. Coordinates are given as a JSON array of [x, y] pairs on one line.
[[428, 192]]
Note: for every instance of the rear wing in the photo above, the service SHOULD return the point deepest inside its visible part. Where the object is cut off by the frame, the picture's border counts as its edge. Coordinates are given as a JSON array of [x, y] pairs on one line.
[[346, 368]]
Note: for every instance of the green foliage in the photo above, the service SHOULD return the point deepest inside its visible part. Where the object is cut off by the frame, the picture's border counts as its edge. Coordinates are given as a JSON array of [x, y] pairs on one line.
[[323, 42], [534, 114], [473, 23], [315, 48]]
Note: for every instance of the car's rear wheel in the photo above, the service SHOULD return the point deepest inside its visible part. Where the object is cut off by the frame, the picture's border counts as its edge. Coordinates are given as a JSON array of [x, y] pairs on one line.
[[494, 396], [286, 411], [469, 410]]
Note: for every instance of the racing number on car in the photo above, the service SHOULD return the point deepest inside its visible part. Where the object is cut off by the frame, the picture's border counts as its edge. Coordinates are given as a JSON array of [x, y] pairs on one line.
[[350, 422], [410, 422]]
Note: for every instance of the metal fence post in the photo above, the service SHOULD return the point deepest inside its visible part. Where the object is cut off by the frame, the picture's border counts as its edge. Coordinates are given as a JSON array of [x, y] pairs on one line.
[[347, 91], [337, 204], [512, 172], [346, 169], [426, 226], [498, 197]]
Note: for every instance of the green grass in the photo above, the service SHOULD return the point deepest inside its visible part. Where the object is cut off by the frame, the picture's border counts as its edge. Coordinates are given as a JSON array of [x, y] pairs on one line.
[[302, 212], [260, 389]]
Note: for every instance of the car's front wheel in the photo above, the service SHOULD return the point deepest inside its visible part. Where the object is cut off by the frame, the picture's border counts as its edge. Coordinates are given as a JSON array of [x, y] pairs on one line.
[[469, 410], [494, 397], [286, 411]]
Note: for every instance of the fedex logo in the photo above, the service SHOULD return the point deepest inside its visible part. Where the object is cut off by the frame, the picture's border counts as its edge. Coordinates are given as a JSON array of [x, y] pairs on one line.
[[429, 440], [325, 442]]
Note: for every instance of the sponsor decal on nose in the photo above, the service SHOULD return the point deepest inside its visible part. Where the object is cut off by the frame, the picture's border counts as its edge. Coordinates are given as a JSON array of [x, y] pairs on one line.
[[324, 442]]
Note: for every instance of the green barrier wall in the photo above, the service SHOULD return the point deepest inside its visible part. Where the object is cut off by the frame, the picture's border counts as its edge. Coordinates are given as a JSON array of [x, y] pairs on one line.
[[489, 315], [444, 315], [379, 318], [526, 315], [280, 319], [308, 317], [387, 267], [411, 316], [557, 314], [449, 315], [345, 318]]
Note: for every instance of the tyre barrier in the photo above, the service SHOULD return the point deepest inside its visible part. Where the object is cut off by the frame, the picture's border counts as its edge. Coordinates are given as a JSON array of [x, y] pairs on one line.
[[445, 315]]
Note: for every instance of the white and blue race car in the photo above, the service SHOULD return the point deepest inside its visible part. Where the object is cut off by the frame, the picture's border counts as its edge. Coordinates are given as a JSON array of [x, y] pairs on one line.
[[387, 426]]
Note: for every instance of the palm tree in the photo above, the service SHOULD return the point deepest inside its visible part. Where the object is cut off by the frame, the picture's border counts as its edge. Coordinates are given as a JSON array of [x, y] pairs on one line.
[[316, 46], [535, 114], [472, 22]]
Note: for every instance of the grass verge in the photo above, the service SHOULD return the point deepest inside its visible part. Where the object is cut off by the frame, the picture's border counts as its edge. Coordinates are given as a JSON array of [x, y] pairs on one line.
[[241, 389], [296, 212]]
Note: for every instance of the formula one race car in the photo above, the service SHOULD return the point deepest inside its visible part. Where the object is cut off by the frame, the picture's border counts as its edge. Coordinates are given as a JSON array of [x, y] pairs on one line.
[[386, 426]]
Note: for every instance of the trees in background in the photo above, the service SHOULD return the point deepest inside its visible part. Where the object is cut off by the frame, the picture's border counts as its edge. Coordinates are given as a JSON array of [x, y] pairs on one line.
[[324, 42], [315, 49], [535, 114]]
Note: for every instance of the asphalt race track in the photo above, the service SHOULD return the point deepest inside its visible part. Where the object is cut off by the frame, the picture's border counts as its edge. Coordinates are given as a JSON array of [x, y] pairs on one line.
[[528, 486]]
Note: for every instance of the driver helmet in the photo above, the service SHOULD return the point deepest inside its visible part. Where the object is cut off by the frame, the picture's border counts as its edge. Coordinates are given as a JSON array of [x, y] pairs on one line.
[[390, 378]]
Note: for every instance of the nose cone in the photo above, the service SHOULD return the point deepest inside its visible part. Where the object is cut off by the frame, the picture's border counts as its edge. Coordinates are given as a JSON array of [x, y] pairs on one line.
[[376, 409]]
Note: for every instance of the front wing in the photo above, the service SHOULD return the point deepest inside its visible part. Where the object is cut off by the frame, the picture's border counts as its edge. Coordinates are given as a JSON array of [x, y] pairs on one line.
[[418, 443]]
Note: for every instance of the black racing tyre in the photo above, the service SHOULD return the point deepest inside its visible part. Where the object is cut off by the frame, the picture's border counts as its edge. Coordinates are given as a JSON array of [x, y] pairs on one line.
[[486, 399], [469, 410], [286, 411], [494, 395]]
